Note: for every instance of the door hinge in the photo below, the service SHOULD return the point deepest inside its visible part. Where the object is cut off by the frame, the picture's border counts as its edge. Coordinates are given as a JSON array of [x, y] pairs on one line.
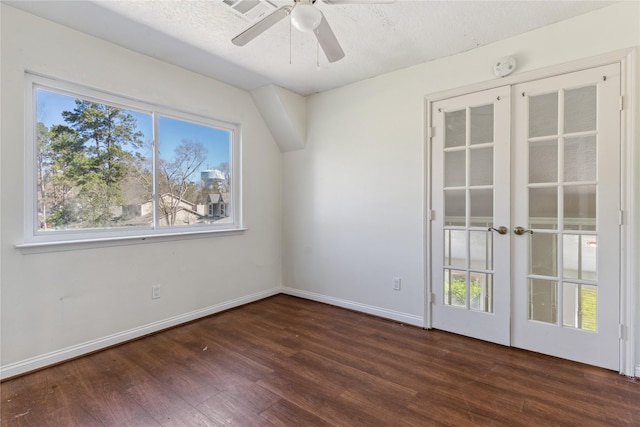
[[621, 102], [430, 215], [433, 298], [620, 331], [620, 217], [431, 131]]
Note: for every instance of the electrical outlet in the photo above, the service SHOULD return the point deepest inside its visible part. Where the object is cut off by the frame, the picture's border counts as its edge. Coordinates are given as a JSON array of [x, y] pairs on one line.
[[155, 292], [396, 284]]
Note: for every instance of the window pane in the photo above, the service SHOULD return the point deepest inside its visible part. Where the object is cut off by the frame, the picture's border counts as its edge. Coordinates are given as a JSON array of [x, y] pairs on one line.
[[107, 167], [454, 169], [580, 109], [455, 248], [455, 288], [580, 159], [481, 130], [481, 249], [481, 207], [455, 124], [579, 306], [93, 164], [588, 307], [481, 172], [580, 207], [543, 300], [579, 256], [543, 115], [543, 207], [194, 174], [481, 292], [454, 207], [543, 259], [543, 161]]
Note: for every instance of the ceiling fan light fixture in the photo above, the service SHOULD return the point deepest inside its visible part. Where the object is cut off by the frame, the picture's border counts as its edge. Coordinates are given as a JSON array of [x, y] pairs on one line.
[[305, 17]]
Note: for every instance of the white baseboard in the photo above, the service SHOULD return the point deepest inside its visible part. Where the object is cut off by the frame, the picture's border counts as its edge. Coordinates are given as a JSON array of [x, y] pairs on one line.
[[409, 319], [58, 356], [637, 371]]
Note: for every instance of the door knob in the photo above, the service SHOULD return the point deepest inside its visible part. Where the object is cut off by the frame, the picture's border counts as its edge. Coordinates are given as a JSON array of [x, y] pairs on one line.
[[501, 230], [521, 230]]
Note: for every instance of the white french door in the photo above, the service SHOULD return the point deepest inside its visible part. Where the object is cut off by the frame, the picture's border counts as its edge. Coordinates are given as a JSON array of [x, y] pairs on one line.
[[525, 198], [470, 181], [566, 191]]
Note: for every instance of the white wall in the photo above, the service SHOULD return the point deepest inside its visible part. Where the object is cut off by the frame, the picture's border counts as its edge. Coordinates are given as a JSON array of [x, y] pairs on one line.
[[354, 196], [53, 302]]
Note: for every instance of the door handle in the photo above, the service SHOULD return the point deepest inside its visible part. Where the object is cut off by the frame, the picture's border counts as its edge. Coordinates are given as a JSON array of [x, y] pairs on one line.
[[501, 230], [521, 230]]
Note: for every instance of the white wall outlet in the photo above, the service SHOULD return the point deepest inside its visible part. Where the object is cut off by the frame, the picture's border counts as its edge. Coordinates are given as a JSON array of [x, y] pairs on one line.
[[396, 284], [155, 292]]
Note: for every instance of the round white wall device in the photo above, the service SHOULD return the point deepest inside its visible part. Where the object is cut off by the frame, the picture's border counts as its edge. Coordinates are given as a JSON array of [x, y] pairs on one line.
[[504, 66]]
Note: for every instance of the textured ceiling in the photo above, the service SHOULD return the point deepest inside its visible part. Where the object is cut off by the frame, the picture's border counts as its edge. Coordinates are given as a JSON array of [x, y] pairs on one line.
[[376, 38]]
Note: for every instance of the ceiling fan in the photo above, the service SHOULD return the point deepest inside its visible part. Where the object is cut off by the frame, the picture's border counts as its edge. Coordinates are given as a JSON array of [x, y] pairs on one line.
[[305, 17]]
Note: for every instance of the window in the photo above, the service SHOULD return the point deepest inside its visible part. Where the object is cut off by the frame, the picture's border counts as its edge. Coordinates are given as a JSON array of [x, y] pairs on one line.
[[106, 167]]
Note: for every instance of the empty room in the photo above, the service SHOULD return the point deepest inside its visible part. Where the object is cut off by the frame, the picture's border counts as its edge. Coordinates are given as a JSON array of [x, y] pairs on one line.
[[319, 212]]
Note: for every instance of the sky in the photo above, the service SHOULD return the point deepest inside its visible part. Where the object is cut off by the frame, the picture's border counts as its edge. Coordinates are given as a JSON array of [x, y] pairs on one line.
[[217, 142]]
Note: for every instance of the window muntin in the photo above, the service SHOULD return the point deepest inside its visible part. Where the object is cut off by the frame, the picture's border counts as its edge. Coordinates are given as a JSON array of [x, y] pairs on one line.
[[106, 166]]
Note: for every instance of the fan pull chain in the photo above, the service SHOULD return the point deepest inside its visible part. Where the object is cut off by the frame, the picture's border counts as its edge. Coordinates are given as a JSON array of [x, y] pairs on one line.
[[290, 42]]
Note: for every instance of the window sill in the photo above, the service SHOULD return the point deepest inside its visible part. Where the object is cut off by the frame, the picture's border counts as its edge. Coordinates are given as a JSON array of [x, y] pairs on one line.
[[104, 242]]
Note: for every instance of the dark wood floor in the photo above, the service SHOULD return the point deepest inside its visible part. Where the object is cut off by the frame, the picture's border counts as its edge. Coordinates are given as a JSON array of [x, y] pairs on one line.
[[290, 362]]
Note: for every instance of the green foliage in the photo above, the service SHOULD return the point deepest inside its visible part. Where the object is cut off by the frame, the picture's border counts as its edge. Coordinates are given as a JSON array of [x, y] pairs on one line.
[[62, 213], [82, 164], [588, 307], [458, 289]]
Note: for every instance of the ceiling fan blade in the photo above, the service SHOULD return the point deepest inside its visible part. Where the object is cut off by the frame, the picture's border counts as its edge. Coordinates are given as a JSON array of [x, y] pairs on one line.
[[261, 26], [328, 41], [359, 1]]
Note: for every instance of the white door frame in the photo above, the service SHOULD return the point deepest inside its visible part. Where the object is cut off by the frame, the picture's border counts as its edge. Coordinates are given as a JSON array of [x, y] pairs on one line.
[[629, 175]]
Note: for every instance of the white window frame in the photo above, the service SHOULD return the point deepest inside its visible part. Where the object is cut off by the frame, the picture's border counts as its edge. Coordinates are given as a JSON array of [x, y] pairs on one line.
[[34, 238]]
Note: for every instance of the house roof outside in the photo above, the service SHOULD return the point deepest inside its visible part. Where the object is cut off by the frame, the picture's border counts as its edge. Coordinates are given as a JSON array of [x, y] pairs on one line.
[[217, 198]]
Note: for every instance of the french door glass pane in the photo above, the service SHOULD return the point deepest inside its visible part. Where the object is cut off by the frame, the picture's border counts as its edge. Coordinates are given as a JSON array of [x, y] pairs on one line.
[[455, 248], [543, 207], [481, 207], [543, 161], [579, 306], [481, 292], [454, 207], [481, 130], [543, 300], [454, 169], [481, 249], [543, 259], [580, 109], [580, 207], [579, 256], [455, 288], [580, 159], [481, 172], [455, 125], [543, 115]]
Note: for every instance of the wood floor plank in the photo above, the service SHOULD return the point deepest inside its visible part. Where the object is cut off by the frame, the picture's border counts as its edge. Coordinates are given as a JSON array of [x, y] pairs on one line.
[[284, 413], [285, 361]]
